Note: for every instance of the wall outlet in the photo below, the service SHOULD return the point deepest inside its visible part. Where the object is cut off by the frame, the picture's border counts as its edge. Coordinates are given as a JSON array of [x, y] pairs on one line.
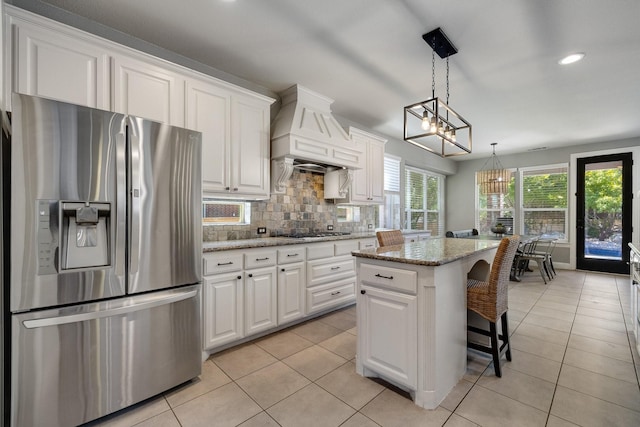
[[262, 230], [329, 227], [369, 226]]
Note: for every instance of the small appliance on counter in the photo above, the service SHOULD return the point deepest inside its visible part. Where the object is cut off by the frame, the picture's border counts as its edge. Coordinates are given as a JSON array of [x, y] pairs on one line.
[[101, 265]]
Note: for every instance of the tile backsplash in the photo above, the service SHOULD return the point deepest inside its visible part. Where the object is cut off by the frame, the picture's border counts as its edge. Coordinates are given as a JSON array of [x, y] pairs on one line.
[[301, 209]]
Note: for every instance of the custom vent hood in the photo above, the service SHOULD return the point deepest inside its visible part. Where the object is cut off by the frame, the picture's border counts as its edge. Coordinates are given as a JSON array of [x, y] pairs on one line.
[[306, 136]]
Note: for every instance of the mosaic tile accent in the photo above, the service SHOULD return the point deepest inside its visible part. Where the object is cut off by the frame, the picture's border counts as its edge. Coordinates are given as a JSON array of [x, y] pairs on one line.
[[302, 209]]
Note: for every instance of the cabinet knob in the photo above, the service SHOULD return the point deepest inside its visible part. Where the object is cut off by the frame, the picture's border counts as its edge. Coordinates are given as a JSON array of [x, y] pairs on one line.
[[282, 269], [250, 275], [239, 277], [227, 188], [235, 189], [363, 292]]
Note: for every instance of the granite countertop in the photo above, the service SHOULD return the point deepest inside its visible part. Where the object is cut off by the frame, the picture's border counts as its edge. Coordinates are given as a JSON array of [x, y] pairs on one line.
[[276, 241], [432, 252]]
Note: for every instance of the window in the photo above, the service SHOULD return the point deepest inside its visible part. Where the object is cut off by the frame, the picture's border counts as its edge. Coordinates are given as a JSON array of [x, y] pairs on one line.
[[390, 214], [542, 207], [494, 206], [544, 201], [225, 212], [423, 202]]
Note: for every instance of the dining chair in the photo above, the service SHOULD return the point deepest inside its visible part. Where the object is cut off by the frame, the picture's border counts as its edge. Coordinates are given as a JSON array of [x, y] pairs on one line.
[[538, 251], [489, 299], [390, 237]]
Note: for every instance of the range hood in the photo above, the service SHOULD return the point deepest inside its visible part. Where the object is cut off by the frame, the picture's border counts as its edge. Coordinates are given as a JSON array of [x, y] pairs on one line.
[[307, 136]]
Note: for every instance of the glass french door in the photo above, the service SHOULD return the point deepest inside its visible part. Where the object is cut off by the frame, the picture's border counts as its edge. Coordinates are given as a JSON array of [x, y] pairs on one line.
[[603, 222]]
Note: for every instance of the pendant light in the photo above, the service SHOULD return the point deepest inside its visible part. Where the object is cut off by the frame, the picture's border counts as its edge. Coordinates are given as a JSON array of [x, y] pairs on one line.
[[494, 180], [432, 125]]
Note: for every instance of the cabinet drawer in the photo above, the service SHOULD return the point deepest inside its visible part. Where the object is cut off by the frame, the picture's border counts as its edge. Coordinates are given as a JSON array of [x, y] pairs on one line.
[[389, 278], [294, 253], [367, 244], [345, 248], [222, 262], [323, 271], [255, 259], [320, 250], [326, 296]]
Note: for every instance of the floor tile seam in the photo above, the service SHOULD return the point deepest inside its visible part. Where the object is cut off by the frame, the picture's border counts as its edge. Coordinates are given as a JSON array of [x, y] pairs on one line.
[[599, 398], [275, 403], [249, 373], [599, 373], [600, 354], [564, 355], [532, 323], [358, 412], [346, 403], [541, 339], [515, 400]]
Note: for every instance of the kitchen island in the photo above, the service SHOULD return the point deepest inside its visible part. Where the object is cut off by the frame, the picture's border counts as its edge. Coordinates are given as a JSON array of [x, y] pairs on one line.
[[412, 316]]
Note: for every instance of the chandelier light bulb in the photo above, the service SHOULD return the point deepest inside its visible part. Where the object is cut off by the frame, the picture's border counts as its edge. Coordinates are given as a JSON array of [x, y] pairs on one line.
[[453, 135], [426, 124], [433, 125]]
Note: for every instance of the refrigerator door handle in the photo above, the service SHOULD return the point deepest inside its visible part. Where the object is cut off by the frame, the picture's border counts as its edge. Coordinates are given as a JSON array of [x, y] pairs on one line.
[[81, 317], [121, 199], [134, 141]]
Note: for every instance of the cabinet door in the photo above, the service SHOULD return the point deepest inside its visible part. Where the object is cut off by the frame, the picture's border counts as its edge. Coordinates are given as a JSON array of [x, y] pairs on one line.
[[208, 110], [53, 65], [145, 90], [291, 288], [375, 170], [260, 300], [387, 334], [250, 147], [223, 309], [360, 186]]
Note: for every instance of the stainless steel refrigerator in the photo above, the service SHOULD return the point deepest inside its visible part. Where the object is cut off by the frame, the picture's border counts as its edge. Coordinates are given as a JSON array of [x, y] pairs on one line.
[[101, 261]]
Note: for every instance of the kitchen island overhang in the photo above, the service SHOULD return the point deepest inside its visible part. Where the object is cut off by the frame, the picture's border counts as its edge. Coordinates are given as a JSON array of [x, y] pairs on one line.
[[412, 313]]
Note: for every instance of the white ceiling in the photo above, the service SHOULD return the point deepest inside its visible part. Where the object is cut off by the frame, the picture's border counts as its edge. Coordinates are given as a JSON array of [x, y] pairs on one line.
[[369, 56]]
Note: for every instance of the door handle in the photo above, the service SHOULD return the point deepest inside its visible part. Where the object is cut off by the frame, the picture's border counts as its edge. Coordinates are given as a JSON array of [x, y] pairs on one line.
[[82, 317]]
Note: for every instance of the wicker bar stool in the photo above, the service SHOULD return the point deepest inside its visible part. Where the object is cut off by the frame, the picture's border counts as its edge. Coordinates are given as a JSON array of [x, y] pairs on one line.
[[489, 300], [390, 237]]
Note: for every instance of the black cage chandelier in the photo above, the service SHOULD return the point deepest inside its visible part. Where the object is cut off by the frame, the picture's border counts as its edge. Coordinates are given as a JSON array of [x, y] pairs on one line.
[[432, 125]]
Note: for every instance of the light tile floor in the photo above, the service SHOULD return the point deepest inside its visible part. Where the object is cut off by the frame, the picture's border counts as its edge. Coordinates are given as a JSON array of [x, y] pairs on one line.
[[574, 363]]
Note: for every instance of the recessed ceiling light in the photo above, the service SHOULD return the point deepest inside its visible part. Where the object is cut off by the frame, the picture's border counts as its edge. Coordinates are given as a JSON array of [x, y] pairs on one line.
[[570, 59]]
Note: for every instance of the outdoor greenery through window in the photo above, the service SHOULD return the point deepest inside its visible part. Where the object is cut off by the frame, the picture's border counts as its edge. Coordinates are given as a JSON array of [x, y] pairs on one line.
[[390, 214], [424, 201], [494, 206], [216, 212], [544, 201]]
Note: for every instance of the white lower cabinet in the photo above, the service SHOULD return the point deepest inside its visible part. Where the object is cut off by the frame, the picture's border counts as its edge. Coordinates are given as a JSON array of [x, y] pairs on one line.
[[291, 280], [260, 300], [387, 330], [254, 291], [223, 296]]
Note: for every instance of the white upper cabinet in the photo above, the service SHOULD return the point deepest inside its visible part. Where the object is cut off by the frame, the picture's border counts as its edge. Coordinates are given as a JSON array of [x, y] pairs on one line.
[[146, 90], [250, 147], [368, 182], [56, 61], [208, 110], [235, 140], [365, 185], [57, 65]]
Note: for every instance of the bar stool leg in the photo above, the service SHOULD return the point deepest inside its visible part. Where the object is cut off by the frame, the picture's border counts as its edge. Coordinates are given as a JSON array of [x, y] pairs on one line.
[[495, 348], [505, 335]]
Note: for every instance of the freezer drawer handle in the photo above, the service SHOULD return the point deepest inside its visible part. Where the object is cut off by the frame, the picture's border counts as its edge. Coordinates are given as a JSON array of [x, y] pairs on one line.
[[81, 317], [384, 277]]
